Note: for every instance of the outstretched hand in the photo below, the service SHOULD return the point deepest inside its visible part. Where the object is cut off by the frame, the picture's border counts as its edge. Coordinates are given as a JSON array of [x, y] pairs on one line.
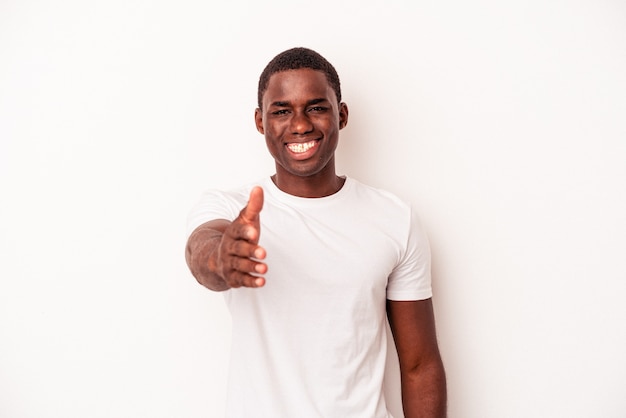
[[238, 253]]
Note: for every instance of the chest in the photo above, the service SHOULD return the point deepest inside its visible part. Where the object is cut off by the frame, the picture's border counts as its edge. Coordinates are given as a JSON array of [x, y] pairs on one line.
[[330, 250]]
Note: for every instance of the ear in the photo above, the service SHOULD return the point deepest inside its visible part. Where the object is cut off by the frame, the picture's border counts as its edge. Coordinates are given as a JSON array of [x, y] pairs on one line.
[[258, 120], [343, 115]]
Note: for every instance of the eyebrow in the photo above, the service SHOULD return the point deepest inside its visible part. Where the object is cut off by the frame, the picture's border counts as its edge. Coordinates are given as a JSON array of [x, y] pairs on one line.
[[316, 101], [309, 103], [280, 104]]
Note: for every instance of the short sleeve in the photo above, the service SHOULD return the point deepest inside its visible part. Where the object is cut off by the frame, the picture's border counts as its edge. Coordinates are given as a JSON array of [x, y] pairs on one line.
[[215, 204], [411, 278]]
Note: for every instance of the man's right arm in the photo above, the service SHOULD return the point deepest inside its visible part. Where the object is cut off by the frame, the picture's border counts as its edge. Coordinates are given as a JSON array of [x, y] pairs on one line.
[[222, 254]]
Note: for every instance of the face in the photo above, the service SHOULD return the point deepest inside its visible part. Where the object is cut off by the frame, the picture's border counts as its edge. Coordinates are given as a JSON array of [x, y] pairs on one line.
[[301, 120]]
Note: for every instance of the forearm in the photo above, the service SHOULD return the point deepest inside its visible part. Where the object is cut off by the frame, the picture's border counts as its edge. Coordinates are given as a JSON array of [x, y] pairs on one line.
[[424, 393], [200, 255]]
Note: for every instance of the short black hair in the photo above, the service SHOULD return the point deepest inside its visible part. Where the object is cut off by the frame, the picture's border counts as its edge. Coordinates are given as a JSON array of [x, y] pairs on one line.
[[294, 59]]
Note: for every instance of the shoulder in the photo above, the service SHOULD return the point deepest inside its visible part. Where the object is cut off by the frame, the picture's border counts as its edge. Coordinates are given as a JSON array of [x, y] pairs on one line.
[[380, 198], [235, 195], [387, 208], [218, 204]]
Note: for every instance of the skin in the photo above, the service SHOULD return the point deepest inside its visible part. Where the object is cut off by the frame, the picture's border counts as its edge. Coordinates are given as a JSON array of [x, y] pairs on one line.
[[422, 375], [300, 107]]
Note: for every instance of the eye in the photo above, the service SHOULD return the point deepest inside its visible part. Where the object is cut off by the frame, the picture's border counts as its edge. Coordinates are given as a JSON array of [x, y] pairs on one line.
[[280, 112], [317, 109]]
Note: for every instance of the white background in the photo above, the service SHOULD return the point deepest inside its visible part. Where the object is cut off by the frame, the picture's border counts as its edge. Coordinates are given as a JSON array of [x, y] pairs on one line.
[[503, 122]]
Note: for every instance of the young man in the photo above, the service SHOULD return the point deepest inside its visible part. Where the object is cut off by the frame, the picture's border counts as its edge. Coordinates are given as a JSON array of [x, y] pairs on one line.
[[312, 264]]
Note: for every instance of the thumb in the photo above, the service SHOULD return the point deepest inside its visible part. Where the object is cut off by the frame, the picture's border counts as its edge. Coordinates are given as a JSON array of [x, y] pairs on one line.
[[254, 206]]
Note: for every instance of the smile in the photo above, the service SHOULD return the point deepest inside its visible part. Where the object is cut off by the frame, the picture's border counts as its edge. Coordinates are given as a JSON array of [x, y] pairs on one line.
[[299, 148]]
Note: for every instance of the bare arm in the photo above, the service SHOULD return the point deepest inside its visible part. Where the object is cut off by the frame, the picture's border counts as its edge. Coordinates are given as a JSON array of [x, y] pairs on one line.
[[422, 374], [222, 254]]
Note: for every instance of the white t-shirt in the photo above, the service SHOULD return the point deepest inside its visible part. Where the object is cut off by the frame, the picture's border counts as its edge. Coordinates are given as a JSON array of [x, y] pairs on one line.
[[312, 342]]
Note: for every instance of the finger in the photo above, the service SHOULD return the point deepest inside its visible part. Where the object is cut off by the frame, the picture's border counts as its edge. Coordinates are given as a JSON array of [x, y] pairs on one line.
[[253, 281], [239, 279], [239, 230], [245, 249], [247, 266], [255, 203], [242, 244]]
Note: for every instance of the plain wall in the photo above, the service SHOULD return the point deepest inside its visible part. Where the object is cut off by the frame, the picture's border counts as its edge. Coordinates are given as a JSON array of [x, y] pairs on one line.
[[502, 122]]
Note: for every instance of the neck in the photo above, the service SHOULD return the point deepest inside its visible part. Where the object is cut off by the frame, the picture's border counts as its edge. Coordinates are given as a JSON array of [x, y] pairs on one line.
[[318, 185]]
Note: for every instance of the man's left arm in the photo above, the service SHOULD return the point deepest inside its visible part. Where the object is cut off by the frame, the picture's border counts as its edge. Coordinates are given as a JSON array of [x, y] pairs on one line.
[[422, 374]]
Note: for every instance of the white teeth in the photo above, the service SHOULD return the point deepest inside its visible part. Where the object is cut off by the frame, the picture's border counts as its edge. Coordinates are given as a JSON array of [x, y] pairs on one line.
[[300, 148]]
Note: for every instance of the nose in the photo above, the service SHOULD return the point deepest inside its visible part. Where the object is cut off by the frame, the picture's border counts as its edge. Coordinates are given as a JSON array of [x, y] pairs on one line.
[[300, 123]]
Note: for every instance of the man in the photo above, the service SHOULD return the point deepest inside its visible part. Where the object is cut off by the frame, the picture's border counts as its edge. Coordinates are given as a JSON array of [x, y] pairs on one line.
[[312, 264]]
